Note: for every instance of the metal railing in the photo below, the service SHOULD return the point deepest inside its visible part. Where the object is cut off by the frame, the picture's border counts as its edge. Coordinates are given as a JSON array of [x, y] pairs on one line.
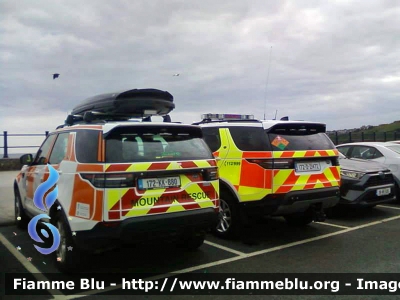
[[5, 139], [336, 137], [361, 136]]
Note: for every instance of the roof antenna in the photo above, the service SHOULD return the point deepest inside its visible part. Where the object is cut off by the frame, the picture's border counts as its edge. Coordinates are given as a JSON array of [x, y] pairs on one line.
[[266, 85], [276, 111]]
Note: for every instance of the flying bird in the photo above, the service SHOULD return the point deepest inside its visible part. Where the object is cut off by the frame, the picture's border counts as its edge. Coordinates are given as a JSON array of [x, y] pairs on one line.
[[55, 75], [177, 74]]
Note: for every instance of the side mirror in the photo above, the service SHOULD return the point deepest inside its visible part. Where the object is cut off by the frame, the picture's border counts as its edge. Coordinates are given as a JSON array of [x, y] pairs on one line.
[[26, 159]]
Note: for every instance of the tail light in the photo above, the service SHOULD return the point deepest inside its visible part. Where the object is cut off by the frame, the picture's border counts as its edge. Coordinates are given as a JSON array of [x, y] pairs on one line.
[[278, 163], [211, 174], [113, 180]]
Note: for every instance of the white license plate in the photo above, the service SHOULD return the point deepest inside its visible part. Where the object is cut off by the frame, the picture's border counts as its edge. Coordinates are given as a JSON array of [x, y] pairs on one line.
[[307, 166], [159, 183], [383, 192]]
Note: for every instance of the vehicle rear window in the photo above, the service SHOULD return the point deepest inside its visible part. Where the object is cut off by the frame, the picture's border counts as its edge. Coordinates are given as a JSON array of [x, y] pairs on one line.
[[344, 150], [395, 148], [212, 138], [153, 143], [287, 142]]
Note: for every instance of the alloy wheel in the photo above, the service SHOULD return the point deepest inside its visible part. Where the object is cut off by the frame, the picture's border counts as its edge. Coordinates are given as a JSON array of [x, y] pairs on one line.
[[224, 217]]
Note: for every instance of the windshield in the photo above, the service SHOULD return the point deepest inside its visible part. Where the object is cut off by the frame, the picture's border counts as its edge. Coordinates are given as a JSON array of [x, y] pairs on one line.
[[395, 148], [155, 144]]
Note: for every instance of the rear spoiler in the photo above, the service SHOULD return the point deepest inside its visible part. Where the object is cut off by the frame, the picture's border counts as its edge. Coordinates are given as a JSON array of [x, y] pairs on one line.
[[297, 128], [192, 130]]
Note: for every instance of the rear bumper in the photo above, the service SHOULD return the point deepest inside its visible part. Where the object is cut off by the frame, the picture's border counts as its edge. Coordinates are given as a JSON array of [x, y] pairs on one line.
[[293, 202], [146, 229]]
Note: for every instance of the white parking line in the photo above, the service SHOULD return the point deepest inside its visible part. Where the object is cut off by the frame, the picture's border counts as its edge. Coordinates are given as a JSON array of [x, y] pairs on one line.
[[333, 225], [392, 207], [28, 265], [224, 248], [40, 276], [240, 257]]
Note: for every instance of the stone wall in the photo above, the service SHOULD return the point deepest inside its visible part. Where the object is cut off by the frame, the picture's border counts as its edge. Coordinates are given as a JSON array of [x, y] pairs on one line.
[[10, 164]]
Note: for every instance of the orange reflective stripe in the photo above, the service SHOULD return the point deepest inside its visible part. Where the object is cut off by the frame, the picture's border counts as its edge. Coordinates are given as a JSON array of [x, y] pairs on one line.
[[130, 199], [100, 148], [212, 162], [323, 153], [287, 154], [268, 175], [159, 166], [288, 183], [114, 215], [98, 214], [117, 168], [30, 182], [89, 168], [335, 172], [188, 164], [83, 193], [251, 175], [255, 154], [314, 178]]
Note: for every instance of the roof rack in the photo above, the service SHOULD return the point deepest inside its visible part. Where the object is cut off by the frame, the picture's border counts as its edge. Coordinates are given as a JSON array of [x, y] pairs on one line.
[[211, 118], [93, 117]]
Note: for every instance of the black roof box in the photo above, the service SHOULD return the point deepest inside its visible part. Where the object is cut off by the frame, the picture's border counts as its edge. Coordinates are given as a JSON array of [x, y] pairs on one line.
[[130, 104]]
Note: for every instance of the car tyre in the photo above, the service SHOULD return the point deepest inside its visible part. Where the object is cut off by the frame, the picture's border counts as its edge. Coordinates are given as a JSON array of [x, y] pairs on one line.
[[299, 219], [228, 218], [70, 260], [21, 218]]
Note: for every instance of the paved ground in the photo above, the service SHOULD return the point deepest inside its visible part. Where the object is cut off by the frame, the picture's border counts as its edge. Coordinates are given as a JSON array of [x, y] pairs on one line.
[[351, 242], [7, 197]]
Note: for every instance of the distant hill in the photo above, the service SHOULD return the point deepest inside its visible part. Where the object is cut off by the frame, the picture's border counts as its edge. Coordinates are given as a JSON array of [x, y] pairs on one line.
[[369, 129], [395, 126], [367, 133]]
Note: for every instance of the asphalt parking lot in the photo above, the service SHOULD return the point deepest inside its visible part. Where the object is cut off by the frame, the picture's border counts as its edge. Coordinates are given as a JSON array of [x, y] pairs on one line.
[[353, 241]]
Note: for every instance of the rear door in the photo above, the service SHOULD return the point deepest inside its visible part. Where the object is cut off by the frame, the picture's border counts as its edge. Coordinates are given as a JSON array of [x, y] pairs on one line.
[[217, 140], [235, 148], [157, 169], [304, 157]]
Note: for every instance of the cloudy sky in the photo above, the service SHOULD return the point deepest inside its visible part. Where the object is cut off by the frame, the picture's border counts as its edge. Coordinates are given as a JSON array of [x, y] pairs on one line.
[[336, 62]]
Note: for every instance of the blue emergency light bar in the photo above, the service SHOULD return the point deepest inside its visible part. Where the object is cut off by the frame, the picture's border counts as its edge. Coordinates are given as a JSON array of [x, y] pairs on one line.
[[226, 117]]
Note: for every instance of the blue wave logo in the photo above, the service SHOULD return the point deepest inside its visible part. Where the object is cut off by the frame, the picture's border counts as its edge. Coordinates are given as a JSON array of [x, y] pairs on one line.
[[44, 188], [45, 204]]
